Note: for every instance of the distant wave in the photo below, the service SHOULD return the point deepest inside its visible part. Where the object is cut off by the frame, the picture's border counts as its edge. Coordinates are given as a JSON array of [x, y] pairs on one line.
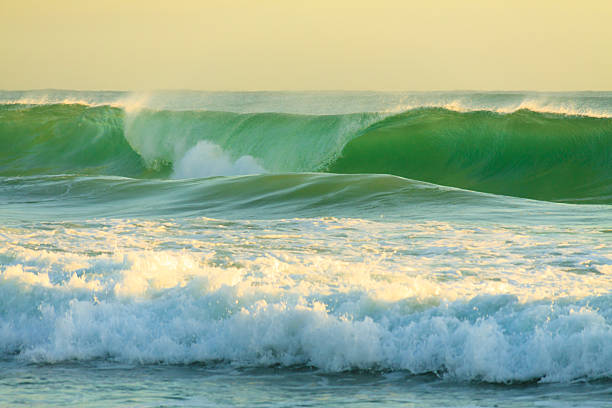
[[546, 156]]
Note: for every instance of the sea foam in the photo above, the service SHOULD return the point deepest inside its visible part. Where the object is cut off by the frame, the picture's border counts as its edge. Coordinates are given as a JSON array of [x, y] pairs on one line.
[[207, 159], [239, 293]]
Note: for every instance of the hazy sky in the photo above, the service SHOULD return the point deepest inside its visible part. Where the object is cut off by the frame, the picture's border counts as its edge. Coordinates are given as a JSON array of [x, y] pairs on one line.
[[306, 45]]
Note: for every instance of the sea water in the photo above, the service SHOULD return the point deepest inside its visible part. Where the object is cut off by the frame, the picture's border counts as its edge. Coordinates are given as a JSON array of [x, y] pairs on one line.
[[305, 249]]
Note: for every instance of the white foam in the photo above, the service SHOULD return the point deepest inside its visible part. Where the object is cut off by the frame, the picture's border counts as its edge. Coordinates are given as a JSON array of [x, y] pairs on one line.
[[207, 159], [469, 303]]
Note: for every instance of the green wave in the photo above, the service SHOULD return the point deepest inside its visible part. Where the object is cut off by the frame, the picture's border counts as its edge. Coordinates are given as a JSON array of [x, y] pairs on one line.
[[104, 140], [55, 139], [525, 154], [280, 142]]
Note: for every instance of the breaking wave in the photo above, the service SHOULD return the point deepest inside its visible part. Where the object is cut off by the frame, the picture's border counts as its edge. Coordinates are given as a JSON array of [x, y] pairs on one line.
[[180, 307], [545, 156]]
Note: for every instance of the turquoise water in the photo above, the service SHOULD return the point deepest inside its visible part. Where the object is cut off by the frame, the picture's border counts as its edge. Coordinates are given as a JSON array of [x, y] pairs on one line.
[[316, 249]]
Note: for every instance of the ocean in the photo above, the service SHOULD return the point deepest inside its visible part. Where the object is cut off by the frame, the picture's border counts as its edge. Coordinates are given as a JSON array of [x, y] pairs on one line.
[[280, 249]]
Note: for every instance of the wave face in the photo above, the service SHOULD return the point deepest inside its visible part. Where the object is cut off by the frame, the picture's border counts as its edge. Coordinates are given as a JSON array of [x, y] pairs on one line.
[[279, 142], [525, 154], [56, 139]]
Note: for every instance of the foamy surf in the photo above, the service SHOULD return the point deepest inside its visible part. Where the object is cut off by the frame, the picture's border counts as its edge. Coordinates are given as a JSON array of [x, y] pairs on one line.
[[367, 308]]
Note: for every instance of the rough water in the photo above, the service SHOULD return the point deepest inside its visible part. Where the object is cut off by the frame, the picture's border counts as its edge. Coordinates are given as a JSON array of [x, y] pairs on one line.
[[366, 249]]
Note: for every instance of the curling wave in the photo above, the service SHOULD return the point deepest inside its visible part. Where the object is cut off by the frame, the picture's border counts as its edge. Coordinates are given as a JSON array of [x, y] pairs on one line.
[[544, 156]]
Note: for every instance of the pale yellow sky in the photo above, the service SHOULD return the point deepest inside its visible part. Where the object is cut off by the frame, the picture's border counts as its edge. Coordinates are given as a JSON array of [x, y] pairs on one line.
[[306, 45]]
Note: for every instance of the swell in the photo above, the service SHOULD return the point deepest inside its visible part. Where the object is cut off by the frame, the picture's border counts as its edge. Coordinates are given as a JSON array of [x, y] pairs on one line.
[[527, 154], [260, 196]]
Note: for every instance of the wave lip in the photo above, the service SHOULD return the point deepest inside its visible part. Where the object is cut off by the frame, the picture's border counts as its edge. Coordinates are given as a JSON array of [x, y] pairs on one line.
[[596, 104]]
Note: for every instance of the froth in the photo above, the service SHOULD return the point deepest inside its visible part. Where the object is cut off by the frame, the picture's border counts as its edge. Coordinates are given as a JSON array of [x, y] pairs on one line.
[[206, 159], [259, 293]]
